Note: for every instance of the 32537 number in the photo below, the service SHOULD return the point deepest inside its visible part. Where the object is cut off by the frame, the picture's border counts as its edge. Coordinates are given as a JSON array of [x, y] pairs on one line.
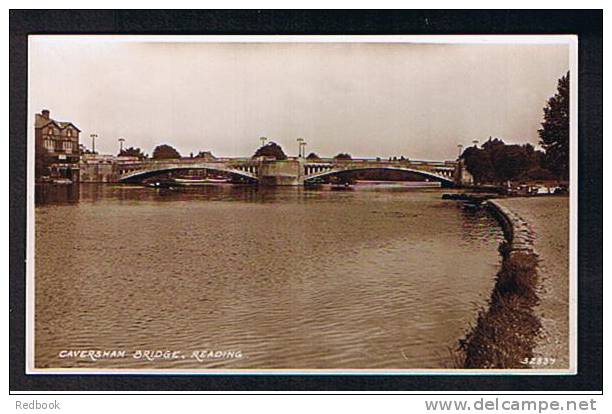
[[538, 361]]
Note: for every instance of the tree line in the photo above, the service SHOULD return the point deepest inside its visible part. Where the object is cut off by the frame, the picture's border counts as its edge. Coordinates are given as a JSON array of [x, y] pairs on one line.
[[165, 151], [498, 162]]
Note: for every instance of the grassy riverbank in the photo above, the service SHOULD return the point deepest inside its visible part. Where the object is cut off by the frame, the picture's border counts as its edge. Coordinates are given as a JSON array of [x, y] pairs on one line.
[[505, 333], [528, 310]]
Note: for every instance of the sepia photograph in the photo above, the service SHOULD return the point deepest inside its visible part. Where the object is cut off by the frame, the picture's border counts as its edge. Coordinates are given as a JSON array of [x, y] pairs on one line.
[[302, 204]]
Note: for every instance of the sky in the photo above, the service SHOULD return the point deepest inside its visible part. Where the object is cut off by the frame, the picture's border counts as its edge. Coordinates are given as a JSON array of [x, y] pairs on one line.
[[367, 99]]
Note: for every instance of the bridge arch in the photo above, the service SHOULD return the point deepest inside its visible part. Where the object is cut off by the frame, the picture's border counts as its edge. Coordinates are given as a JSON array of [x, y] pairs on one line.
[[141, 174], [446, 180]]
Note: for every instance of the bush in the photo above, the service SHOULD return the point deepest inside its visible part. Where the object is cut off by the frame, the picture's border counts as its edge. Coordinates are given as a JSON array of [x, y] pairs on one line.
[[343, 156], [165, 152], [271, 149]]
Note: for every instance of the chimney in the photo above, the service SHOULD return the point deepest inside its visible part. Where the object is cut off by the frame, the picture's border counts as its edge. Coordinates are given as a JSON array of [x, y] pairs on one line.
[[45, 113]]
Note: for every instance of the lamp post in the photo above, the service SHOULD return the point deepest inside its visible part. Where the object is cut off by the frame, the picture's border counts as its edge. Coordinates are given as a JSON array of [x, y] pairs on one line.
[[304, 148], [263, 140], [299, 141], [121, 140], [475, 142], [460, 146], [93, 142]]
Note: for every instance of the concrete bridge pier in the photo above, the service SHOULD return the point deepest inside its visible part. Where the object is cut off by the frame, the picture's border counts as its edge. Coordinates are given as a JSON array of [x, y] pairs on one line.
[[279, 173]]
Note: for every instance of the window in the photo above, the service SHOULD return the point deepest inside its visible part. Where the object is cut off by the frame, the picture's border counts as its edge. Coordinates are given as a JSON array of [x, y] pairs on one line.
[[48, 144], [67, 146]]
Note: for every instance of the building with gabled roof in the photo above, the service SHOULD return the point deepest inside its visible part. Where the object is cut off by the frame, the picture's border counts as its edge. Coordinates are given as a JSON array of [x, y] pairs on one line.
[[57, 148]]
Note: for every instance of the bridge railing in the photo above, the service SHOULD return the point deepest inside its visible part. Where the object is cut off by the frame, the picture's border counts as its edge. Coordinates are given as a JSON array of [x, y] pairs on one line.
[[317, 161]]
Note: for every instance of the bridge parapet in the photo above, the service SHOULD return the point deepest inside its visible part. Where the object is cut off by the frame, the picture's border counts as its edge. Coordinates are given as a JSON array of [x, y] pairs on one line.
[[378, 162]]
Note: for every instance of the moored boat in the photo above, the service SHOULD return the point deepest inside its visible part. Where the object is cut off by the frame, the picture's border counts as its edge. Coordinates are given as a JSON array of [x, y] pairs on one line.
[[341, 187], [161, 183]]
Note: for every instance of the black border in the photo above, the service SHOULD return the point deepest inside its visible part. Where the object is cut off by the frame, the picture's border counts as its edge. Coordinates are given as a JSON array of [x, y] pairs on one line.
[[587, 24]]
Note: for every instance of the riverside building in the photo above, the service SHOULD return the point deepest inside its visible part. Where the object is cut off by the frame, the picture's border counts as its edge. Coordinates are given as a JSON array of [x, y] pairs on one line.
[[57, 148]]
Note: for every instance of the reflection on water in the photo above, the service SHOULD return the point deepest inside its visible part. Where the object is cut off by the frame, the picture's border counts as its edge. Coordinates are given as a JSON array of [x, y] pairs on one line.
[[293, 278]]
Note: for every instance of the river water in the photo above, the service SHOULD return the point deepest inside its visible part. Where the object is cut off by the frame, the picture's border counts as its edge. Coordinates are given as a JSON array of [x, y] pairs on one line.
[[380, 277]]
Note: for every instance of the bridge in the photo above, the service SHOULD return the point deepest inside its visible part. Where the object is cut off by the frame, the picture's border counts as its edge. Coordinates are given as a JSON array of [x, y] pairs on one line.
[[139, 171], [435, 171], [292, 171]]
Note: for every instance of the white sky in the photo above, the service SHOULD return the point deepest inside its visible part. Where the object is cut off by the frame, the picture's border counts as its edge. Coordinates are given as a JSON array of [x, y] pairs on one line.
[[416, 100]]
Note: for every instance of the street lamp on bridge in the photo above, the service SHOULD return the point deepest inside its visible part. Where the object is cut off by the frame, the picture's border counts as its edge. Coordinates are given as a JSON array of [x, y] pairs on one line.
[[93, 142], [301, 145], [121, 141], [460, 146], [263, 140]]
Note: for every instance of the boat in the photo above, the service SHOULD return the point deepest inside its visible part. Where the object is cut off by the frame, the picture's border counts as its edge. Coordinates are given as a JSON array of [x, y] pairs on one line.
[[162, 183], [341, 187]]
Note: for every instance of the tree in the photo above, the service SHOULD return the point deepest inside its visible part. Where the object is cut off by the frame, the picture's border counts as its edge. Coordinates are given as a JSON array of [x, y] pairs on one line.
[[132, 152], [313, 156], [554, 134], [537, 173], [165, 151], [205, 154], [509, 162], [497, 162], [493, 144], [271, 149], [343, 156], [478, 163]]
